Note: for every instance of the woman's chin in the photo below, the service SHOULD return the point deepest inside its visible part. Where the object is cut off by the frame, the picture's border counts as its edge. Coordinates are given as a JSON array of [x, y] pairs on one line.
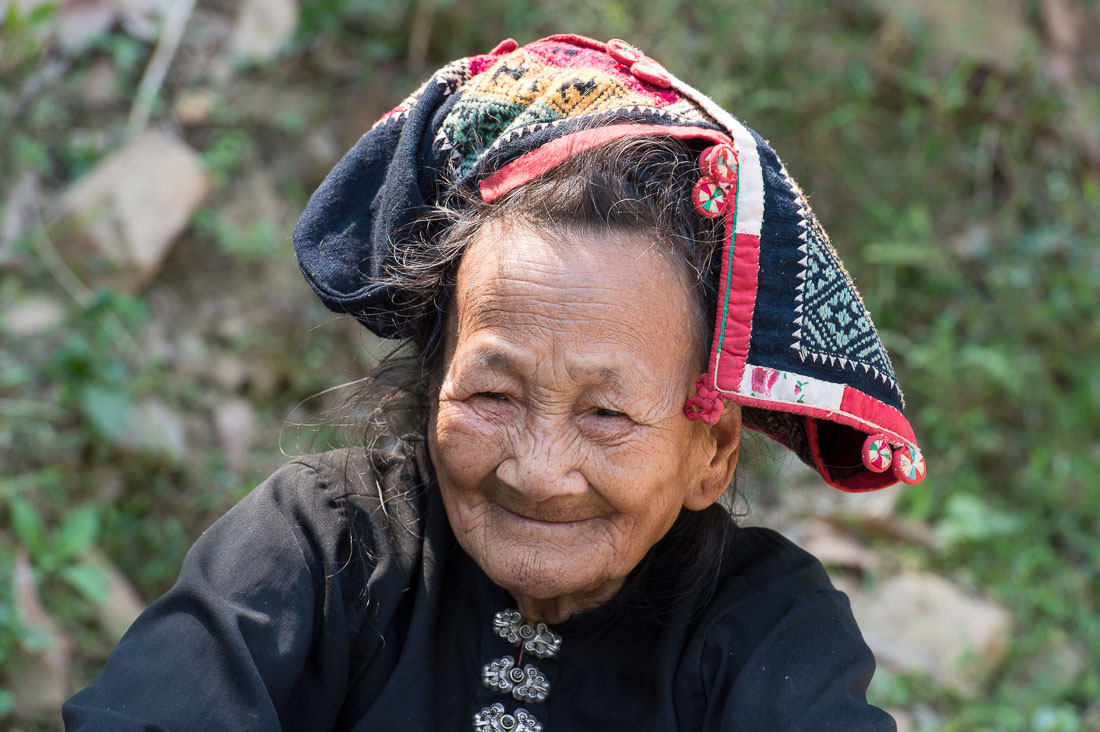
[[541, 573]]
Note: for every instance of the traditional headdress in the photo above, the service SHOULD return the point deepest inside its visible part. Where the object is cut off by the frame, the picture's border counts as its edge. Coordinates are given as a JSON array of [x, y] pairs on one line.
[[793, 341]]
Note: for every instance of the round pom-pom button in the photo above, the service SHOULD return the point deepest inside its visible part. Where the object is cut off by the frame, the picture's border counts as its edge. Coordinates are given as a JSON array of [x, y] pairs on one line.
[[720, 162], [623, 52], [877, 455], [909, 465], [651, 72], [709, 198]]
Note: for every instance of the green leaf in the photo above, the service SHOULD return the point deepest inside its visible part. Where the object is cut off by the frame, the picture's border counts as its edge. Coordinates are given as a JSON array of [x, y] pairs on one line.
[[88, 579], [106, 410], [28, 526], [77, 533], [42, 13]]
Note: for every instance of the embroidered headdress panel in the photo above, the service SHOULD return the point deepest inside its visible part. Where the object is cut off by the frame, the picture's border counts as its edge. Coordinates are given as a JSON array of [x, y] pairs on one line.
[[793, 343]]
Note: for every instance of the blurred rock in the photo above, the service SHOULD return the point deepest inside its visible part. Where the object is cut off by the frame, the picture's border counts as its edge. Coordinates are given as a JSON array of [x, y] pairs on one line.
[[865, 513], [903, 718], [123, 603], [33, 316], [919, 622], [834, 547], [257, 198], [230, 373], [195, 106], [233, 421], [99, 90], [154, 428], [263, 27], [117, 224], [43, 683]]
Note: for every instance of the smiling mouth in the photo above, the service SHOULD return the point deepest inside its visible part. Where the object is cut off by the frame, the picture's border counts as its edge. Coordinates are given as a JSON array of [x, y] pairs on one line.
[[533, 521]]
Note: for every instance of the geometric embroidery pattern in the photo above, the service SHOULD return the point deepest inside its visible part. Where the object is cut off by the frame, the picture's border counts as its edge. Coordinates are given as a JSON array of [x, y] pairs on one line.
[[833, 325], [528, 90]]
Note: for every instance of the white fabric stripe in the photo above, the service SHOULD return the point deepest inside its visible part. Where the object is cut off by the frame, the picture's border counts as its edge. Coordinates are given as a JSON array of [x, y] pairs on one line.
[[750, 178], [791, 388]]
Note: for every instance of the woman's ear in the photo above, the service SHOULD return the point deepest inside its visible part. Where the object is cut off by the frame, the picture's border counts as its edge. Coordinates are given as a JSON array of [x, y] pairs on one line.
[[724, 446]]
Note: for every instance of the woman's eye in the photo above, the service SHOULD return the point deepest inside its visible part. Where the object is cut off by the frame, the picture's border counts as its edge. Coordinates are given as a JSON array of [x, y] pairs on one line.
[[601, 412], [496, 396]]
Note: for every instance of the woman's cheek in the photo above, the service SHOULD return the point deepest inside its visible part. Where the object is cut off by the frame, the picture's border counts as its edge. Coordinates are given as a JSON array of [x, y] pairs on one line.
[[467, 440]]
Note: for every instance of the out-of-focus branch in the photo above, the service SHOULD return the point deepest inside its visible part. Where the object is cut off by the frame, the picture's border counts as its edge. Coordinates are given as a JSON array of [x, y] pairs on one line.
[[171, 33]]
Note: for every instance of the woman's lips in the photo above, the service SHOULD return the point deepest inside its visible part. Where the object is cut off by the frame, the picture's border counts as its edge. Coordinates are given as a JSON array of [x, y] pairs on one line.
[[540, 522]]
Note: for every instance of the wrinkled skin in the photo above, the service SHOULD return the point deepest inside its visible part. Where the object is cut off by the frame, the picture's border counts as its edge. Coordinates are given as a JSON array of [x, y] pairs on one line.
[[559, 437]]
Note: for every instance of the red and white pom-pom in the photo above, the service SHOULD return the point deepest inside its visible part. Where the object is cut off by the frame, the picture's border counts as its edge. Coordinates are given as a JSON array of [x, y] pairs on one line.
[[877, 455], [909, 465], [720, 163], [709, 198]]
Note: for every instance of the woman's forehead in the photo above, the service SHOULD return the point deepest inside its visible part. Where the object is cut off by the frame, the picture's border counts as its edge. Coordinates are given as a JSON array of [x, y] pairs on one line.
[[614, 295], [503, 255], [520, 272]]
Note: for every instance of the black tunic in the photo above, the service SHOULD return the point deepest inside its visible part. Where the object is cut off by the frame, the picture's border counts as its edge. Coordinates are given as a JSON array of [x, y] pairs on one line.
[[314, 604]]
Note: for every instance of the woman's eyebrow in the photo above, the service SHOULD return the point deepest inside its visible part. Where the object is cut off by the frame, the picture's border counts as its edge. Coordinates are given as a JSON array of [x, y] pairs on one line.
[[600, 377], [592, 376], [494, 358]]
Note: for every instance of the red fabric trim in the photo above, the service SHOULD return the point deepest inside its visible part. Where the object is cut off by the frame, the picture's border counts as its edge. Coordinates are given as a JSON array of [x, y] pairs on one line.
[[857, 403], [864, 482], [743, 269], [526, 168], [861, 482], [838, 416], [815, 448]]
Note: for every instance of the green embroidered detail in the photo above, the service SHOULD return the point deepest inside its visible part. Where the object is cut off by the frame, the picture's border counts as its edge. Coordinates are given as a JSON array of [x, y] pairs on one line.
[[729, 262]]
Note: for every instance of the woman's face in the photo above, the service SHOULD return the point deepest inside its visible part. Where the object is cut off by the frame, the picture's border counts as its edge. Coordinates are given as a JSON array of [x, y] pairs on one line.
[[559, 438]]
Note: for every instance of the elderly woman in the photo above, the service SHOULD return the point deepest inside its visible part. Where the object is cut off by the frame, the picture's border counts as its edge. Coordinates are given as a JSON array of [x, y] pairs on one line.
[[565, 237]]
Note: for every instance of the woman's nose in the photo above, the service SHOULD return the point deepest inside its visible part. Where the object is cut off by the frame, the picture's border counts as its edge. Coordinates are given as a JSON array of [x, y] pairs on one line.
[[543, 468]]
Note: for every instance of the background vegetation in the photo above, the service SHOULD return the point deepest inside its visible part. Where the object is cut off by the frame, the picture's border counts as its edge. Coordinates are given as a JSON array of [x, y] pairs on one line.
[[952, 149]]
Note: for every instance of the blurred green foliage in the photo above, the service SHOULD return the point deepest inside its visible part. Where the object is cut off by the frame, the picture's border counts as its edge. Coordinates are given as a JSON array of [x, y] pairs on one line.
[[960, 190]]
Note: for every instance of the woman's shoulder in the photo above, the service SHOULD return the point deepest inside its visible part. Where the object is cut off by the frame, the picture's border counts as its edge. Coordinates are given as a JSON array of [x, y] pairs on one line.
[[762, 561], [375, 497], [777, 629], [766, 585]]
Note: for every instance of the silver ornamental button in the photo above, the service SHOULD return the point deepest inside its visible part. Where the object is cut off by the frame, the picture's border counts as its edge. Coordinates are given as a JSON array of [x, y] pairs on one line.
[[506, 623], [494, 719], [537, 639], [526, 684], [543, 642]]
